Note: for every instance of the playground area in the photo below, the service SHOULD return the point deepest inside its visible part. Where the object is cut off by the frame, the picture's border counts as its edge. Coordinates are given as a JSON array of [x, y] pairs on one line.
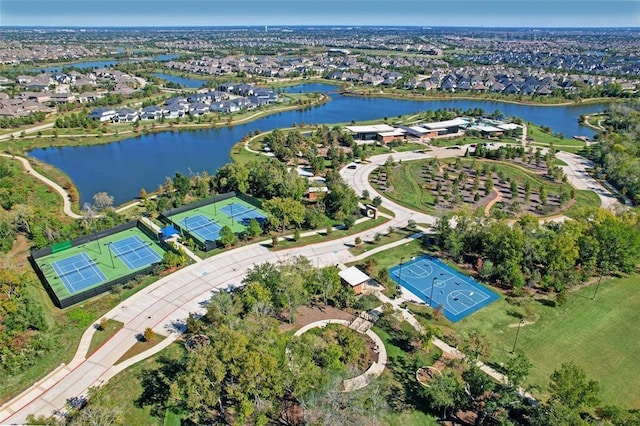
[[437, 284], [204, 222], [72, 269]]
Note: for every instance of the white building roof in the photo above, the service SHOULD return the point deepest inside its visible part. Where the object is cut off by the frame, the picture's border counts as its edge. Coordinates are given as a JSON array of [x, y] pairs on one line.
[[377, 128], [419, 129], [444, 124], [508, 126], [354, 276], [394, 132], [485, 128]]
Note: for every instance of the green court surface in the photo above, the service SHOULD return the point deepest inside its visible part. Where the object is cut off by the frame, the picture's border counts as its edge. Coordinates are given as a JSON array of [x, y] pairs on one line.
[[76, 269], [216, 212]]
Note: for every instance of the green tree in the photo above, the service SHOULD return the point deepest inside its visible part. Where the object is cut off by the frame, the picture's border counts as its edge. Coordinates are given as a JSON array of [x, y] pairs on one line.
[[445, 392], [284, 213], [227, 236], [254, 229], [517, 369], [569, 386], [182, 184], [341, 201]]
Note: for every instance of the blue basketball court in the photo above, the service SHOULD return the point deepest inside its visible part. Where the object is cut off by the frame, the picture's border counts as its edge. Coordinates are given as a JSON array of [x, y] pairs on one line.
[[438, 284], [242, 213], [134, 252], [78, 272], [201, 227]]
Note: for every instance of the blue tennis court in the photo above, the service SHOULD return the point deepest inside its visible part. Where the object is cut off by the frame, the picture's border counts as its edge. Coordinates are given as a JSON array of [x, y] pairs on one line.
[[242, 213], [134, 252], [202, 227], [78, 272], [438, 284]]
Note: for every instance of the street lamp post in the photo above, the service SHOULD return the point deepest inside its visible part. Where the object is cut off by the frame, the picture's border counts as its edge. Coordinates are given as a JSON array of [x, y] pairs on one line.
[[111, 256], [517, 333]]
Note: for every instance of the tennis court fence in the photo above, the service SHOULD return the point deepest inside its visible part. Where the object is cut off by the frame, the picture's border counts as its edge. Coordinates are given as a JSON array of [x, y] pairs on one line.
[[205, 245], [66, 301]]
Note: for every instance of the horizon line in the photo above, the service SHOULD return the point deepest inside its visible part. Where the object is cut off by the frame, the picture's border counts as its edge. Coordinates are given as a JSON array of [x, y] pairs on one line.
[[320, 26]]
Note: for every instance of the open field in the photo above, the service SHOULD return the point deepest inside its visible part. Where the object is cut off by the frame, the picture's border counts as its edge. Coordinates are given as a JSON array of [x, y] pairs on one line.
[[598, 335]]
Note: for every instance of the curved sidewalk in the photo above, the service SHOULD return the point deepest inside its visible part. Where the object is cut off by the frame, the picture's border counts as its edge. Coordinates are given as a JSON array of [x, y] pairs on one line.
[[66, 203]]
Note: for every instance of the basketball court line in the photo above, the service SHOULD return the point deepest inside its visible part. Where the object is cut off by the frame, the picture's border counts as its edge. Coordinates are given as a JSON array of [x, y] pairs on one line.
[[458, 294]]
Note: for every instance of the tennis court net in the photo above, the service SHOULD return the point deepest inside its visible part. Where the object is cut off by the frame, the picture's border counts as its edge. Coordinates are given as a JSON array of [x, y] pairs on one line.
[[197, 227], [89, 265], [123, 253]]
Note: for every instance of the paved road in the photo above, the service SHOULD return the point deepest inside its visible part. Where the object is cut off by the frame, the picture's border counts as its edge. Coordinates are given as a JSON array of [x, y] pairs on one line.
[[165, 305], [27, 130]]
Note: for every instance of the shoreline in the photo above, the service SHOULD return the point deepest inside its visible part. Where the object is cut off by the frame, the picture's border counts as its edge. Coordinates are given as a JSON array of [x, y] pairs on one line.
[[81, 139]]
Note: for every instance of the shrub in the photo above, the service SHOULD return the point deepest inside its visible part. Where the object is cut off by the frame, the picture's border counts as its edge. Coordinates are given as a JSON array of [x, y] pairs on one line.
[[148, 334]]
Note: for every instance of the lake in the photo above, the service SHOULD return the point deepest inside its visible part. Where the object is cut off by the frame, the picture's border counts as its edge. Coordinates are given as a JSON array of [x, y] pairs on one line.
[[191, 83], [104, 64], [122, 168]]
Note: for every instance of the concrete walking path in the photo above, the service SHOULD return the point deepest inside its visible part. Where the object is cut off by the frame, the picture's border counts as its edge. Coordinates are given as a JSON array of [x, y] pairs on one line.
[[444, 347], [66, 203]]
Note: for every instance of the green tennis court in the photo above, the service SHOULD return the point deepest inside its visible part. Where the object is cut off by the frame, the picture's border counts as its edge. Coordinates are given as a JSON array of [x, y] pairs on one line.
[[73, 269], [203, 223]]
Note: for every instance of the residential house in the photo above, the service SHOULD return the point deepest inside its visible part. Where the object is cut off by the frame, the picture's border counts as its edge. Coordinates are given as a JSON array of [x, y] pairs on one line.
[[151, 112], [85, 97], [126, 115], [63, 98], [173, 110], [102, 114], [198, 108]]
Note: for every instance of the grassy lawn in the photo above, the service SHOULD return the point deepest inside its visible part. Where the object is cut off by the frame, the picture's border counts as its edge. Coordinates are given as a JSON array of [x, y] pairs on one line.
[[242, 156], [396, 235], [389, 258], [596, 335], [414, 418], [544, 139], [102, 335], [141, 346], [124, 389], [409, 147], [321, 236], [67, 326]]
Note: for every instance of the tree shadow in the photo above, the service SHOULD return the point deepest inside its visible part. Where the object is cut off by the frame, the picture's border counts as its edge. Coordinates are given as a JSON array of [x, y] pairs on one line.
[[156, 385]]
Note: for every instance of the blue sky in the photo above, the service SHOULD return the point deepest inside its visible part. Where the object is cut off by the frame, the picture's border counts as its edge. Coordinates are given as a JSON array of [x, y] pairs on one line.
[[498, 13]]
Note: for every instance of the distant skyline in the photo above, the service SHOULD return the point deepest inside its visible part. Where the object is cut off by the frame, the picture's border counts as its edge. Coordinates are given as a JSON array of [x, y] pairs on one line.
[[494, 13]]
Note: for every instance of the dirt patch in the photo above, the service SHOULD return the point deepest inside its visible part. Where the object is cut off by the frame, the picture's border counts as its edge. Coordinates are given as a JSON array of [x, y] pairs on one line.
[[498, 198], [308, 314], [18, 254]]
